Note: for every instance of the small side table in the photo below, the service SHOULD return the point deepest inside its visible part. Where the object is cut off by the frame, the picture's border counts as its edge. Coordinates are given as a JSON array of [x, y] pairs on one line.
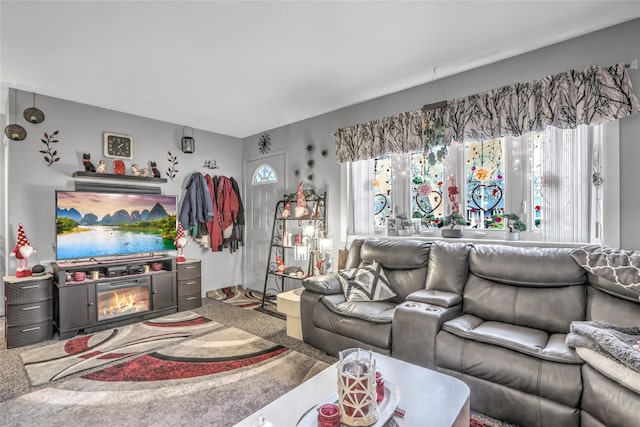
[[289, 304]]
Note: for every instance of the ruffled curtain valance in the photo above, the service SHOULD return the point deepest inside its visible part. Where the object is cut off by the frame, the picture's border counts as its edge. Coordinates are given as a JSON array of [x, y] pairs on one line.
[[565, 100]]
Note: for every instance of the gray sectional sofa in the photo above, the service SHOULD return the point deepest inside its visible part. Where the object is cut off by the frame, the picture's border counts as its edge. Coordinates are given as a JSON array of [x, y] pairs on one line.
[[494, 316]]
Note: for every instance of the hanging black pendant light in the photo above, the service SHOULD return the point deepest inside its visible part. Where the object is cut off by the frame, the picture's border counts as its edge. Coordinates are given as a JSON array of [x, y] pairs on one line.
[[32, 114], [15, 132], [188, 142]]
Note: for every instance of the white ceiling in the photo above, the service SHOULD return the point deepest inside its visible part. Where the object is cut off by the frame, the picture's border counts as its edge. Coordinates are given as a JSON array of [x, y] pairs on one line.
[[240, 68]]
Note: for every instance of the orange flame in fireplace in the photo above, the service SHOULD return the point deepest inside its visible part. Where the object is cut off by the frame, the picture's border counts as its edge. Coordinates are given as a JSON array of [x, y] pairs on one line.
[[124, 303]]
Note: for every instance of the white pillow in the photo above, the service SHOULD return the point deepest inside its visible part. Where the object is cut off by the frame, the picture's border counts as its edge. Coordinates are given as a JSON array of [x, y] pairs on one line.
[[366, 283]]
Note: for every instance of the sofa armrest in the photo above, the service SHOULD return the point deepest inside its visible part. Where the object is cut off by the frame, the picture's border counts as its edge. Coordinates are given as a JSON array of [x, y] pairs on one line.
[[414, 329], [439, 298], [326, 284]]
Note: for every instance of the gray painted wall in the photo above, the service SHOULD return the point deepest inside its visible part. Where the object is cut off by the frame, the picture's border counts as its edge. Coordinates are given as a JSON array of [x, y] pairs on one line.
[[606, 47], [31, 184]]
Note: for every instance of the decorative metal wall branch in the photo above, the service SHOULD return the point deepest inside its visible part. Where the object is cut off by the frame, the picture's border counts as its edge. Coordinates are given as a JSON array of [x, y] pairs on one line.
[[50, 153]]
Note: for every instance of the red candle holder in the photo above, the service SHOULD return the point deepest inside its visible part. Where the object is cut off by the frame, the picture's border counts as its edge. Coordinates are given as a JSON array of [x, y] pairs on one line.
[[329, 415]]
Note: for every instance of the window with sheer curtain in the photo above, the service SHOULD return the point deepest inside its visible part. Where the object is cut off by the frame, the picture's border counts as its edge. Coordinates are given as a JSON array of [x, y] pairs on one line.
[[551, 179]]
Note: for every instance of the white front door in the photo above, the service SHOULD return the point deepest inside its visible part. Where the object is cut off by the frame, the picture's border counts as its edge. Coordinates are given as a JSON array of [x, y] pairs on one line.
[[264, 187]]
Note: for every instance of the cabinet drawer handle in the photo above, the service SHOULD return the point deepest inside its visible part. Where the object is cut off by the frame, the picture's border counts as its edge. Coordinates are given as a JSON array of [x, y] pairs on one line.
[[189, 267], [90, 304], [190, 283], [35, 307], [190, 298], [30, 287], [30, 329]]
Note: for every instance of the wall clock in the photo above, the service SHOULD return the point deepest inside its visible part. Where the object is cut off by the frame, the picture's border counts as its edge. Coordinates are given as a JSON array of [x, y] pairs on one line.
[[118, 145]]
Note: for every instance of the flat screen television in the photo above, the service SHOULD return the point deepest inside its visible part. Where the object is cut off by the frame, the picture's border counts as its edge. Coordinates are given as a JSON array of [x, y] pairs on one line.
[[94, 224]]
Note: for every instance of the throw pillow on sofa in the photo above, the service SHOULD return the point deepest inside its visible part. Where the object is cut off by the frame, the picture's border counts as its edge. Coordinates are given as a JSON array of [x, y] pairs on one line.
[[366, 283]]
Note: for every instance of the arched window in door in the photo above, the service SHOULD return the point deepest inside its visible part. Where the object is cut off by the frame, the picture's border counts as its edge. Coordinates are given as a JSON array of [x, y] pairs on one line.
[[264, 174]]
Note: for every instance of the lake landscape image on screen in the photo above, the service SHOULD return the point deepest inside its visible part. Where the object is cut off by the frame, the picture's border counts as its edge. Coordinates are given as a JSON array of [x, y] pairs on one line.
[[91, 224]]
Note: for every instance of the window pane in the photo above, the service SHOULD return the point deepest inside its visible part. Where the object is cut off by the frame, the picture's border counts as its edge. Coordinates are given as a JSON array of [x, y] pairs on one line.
[[426, 189], [264, 174], [382, 192], [485, 183], [536, 172]]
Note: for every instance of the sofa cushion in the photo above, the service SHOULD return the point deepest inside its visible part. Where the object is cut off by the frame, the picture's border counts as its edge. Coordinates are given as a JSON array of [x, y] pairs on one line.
[[526, 266], [618, 311], [366, 283], [488, 363], [405, 263], [530, 341], [550, 309], [448, 266], [366, 322]]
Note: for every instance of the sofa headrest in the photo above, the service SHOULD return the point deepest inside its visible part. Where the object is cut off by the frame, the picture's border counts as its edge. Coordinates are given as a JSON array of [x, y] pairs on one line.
[[525, 266], [396, 254]]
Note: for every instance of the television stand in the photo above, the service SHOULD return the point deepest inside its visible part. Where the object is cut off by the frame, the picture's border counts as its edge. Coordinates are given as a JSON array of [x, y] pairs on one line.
[[95, 295]]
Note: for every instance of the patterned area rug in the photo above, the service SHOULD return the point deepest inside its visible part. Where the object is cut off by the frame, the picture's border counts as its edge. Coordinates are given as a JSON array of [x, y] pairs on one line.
[[64, 358], [239, 297], [215, 379]]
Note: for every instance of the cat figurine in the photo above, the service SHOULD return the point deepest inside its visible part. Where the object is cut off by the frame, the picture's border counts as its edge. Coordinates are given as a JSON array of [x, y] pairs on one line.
[[154, 170], [86, 160]]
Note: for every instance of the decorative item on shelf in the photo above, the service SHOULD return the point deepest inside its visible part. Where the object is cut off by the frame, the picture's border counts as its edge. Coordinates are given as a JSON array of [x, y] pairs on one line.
[[144, 173], [86, 162], [118, 145], [301, 211], [154, 169], [118, 167], [79, 276], [188, 142], [280, 263], [32, 114], [286, 212], [452, 220], [264, 144], [357, 397], [22, 251], [173, 162], [50, 154], [14, 131], [210, 164], [513, 223], [134, 170], [102, 168], [181, 242], [156, 266]]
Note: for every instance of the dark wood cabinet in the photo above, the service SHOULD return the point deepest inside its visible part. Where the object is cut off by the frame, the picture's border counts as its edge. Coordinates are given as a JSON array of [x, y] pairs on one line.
[[77, 308], [189, 285], [163, 290], [28, 309], [91, 296]]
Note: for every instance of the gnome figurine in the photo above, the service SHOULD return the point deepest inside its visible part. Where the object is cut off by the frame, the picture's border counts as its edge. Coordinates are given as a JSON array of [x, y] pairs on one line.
[[181, 242], [301, 211], [22, 251]]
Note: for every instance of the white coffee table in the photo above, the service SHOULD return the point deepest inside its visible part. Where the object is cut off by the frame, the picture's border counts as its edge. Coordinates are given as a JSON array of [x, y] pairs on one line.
[[428, 397]]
